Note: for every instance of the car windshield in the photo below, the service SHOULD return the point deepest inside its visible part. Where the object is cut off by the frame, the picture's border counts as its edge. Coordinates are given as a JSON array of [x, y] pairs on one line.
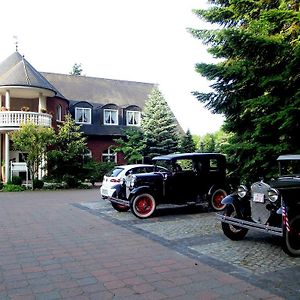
[[115, 172], [289, 167]]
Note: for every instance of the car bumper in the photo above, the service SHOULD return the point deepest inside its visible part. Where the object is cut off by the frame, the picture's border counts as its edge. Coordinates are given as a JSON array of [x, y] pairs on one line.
[[106, 192]]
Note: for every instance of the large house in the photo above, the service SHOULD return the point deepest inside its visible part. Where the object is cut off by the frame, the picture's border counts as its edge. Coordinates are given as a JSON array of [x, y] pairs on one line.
[[103, 107]]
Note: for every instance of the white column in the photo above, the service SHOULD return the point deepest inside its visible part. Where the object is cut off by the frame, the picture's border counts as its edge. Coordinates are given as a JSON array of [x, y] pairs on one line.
[[42, 102], [7, 99], [1, 155], [6, 155], [41, 173]]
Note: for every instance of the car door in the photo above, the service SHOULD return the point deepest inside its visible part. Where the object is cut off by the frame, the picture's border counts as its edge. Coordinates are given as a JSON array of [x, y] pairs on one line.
[[181, 184]]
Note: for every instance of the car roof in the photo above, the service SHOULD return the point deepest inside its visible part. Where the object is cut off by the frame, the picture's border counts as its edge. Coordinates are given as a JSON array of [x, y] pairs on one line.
[[187, 155], [289, 157], [126, 167]]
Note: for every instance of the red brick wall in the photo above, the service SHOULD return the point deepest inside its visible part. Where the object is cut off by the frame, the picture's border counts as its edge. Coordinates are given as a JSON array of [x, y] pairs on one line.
[[99, 144], [51, 108]]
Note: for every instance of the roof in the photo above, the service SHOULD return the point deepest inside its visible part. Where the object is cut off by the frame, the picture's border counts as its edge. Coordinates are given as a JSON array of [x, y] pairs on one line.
[[127, 167], [187, 155], [289, 157], [101, 90], [17, 71]]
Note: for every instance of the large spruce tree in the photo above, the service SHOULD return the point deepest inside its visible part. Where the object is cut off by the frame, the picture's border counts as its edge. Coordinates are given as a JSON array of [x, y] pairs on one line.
[[159, 126], [256, 83]]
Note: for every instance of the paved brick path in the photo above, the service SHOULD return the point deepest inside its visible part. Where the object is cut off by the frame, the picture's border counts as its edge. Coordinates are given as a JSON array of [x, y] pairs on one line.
[[51, 249]]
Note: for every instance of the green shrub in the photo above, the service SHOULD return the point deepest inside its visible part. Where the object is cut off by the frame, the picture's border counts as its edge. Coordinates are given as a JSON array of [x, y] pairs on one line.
[[1, 185], [71, 181], [17, 180], [37, 184], [9, 187]]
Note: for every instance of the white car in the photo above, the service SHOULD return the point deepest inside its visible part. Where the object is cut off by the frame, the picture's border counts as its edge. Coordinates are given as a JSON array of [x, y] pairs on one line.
[[116, 176]]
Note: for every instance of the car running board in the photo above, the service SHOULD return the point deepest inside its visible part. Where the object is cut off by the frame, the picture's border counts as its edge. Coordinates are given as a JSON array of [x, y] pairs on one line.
[[250, 225]]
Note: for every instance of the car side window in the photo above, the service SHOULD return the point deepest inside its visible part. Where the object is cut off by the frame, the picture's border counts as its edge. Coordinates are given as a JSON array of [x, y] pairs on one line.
[[213, 165], [183, 165]]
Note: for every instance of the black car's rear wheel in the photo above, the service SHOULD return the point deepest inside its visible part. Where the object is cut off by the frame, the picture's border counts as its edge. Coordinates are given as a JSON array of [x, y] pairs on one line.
[[143, 205], [120, 207], [216, 198], [233, 232], [291, 237]]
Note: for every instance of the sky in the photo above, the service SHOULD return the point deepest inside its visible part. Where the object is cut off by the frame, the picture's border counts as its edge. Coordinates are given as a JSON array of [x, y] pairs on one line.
[[136, 40]]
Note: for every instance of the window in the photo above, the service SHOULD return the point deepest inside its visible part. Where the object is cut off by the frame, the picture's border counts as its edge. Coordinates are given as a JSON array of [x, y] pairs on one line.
[[184, 165], [83, 115], [110, 117], [109, 155], [133, 118], [87, 155], [58, 112]]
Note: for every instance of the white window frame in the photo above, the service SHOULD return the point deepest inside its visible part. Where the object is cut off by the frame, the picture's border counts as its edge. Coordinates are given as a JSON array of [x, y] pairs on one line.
[[133, 112], [84, 110], [58, 113], [87, 153], [109, 154], [110, 111]]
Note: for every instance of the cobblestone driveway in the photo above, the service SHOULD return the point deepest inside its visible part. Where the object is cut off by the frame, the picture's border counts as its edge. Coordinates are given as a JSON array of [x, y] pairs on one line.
[[258, 259]]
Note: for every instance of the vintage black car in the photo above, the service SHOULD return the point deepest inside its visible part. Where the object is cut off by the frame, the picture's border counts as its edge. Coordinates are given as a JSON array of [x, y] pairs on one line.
[[190, 178], [272, 207]]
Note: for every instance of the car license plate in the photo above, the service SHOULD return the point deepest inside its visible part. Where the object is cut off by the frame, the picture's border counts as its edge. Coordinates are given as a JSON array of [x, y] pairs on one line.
[[104, 192], [258, 197]]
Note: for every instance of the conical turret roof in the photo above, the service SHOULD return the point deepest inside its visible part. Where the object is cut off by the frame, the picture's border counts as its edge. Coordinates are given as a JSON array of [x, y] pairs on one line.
[[17, 71]]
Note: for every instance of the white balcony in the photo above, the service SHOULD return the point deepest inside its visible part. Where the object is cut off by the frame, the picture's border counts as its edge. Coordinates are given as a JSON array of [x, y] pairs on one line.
[[12, 120]]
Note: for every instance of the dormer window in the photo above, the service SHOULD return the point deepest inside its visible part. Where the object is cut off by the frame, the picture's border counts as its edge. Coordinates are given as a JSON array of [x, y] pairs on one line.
[[83, 115], [133, 118], [110, 117]]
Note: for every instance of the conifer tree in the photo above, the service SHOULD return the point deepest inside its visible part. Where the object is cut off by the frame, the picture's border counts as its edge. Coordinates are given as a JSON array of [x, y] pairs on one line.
[[187, 144], [257, 79], [159, 126]]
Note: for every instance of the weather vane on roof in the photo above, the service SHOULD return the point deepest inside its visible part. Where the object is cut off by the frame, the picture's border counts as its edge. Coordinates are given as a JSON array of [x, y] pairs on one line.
[[16, 42]]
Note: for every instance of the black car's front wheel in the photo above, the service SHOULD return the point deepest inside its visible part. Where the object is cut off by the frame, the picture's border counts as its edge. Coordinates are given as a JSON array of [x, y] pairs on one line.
[[216, 199], [233, 232], [143, 205], [291, 237]]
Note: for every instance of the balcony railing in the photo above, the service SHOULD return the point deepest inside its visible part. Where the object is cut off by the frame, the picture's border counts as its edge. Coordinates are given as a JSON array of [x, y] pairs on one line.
[[14, 119]]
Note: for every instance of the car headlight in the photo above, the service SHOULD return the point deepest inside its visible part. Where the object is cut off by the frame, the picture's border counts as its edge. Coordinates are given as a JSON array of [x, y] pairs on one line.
[[273, 195], [242, 191], [132, 181]]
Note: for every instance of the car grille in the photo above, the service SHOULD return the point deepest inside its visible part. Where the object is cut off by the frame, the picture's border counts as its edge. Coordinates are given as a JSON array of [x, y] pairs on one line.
[[259, 212]]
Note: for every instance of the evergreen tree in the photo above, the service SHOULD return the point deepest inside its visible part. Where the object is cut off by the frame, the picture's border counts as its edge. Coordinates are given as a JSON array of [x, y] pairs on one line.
[[159, 126], [132, 145], [257, 81], [187, 144], [76, 70]]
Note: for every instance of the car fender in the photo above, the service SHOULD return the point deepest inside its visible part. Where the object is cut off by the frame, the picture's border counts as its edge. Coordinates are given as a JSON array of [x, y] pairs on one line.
[[116, 189], [229, 199], [138, 190], [216, 187]]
